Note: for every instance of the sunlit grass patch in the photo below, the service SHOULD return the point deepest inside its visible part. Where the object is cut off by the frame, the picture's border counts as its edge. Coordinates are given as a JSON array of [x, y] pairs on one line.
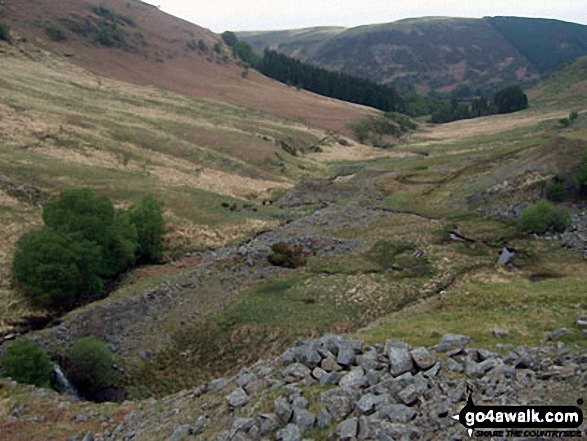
[[528, 311]]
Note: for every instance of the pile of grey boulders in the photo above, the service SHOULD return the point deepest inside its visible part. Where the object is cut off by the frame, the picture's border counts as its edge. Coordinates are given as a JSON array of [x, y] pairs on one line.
[[575, 236], [341, 389]]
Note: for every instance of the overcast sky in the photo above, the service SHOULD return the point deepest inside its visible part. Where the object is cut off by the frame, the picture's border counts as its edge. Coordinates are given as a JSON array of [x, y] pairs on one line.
[[241, 15]]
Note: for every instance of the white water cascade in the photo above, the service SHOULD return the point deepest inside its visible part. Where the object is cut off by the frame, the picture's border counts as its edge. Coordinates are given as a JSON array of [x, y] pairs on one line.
[[62, 384]]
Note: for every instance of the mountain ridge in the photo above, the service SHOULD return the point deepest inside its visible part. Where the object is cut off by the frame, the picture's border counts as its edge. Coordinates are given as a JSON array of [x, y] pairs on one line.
[[432, 53]]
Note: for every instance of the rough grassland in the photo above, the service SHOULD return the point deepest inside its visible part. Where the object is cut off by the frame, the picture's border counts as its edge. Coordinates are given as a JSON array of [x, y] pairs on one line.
[[62, 127]]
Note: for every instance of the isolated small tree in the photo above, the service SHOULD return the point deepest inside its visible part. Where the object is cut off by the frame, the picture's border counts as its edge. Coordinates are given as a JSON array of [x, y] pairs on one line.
[[90, 365], [26, 362]]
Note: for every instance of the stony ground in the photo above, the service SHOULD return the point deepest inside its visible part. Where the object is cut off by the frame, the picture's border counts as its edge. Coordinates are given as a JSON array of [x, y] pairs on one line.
[[336, 388]]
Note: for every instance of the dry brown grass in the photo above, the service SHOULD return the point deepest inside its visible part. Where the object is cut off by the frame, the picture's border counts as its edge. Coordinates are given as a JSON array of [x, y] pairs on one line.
[[495, 124]]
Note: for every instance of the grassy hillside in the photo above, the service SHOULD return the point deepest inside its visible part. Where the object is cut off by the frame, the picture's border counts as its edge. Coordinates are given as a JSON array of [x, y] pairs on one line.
[[436, 53], [65, 127], [137, 43], [373, 226]]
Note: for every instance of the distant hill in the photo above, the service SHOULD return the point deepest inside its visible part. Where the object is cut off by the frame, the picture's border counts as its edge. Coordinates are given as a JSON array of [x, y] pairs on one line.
[[132, 41], [436, 53]]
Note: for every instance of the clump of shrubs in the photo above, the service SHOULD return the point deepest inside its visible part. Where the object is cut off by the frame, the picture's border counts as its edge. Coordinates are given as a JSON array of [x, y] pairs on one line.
[[84, 242], [26, 362], [287, 255], [90, 365], [542, 217]]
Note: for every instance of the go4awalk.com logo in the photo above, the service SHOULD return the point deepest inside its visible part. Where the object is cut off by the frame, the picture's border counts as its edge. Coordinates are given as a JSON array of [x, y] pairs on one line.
[[521, 421]]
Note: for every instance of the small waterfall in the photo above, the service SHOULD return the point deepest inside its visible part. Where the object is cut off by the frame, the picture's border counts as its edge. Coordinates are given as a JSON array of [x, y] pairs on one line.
[[62, 384]]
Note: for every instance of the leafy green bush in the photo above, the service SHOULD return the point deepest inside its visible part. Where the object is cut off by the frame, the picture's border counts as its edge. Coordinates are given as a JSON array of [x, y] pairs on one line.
[[26, 362], [83, 241], [543, 216], [5, 32], [54, 270], [90, 365], [93, 217], [147, 218], [54, 32]]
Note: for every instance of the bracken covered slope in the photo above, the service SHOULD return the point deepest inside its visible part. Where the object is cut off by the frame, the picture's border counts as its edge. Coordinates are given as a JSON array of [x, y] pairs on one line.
[[149, 47]]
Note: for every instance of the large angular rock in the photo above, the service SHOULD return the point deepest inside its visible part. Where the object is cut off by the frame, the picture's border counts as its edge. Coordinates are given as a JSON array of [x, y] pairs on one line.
[[283, 410], [376, 429], [348, 430], [238, 398], [268, 422], [396, 413], [307, 353], [291, 432], [413, 391], [296, 371], [400, 359], [369, 361], [329, 364], [245, 378], [180, 433], [339, 402], [329, 342], [346, 356], [323, 419], [423, 359], [304, 419], [242, 425], [451, 342], [355, 378], [368, 403], [478, 370]]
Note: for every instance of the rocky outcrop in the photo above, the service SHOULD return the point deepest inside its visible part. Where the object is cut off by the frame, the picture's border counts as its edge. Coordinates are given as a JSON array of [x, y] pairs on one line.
[[346, 390], [575, 237]]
